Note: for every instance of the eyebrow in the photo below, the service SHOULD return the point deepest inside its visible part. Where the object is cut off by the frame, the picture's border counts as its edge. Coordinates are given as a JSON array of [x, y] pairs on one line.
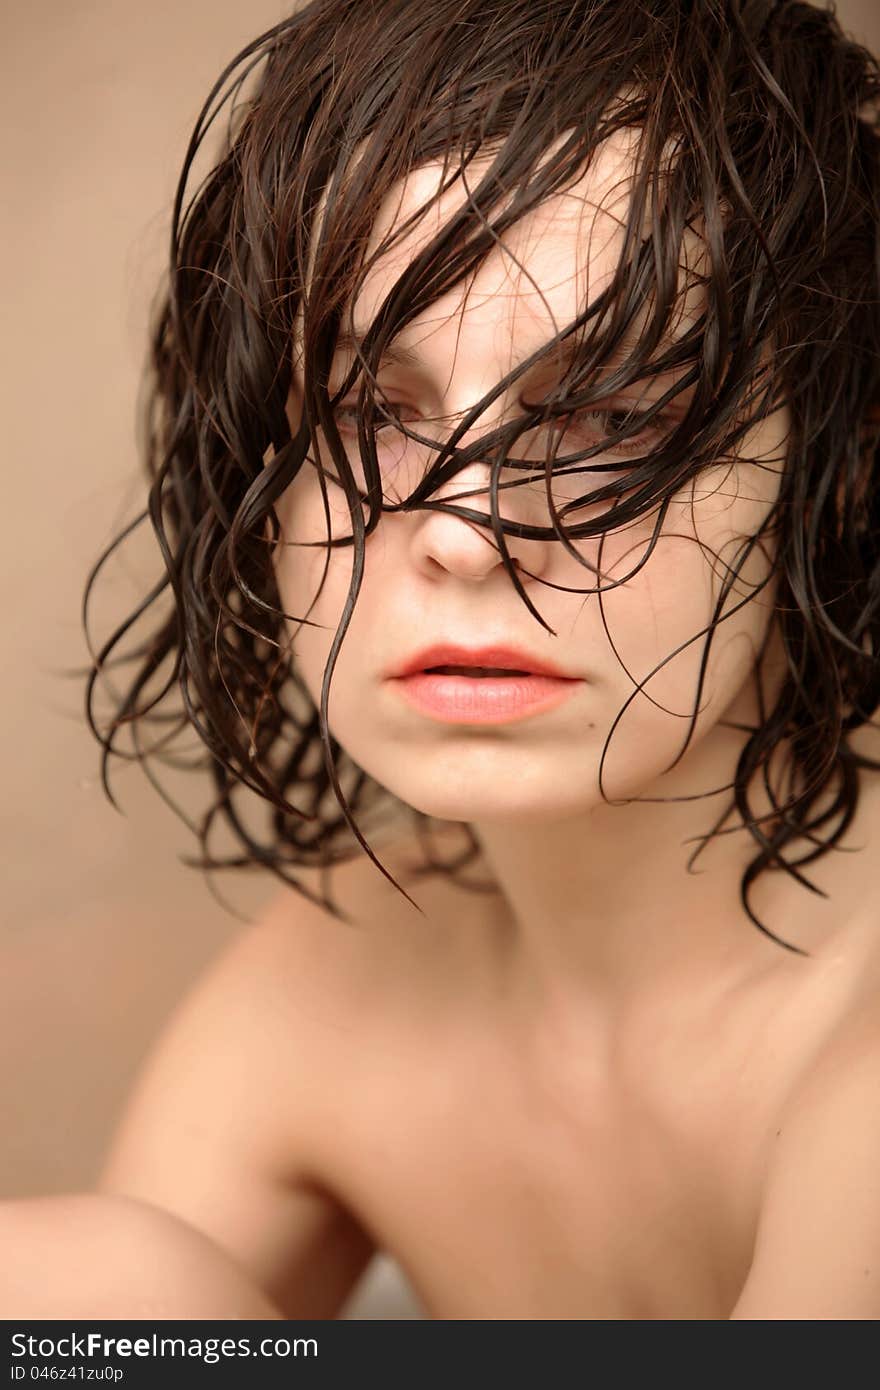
[[395, 353]]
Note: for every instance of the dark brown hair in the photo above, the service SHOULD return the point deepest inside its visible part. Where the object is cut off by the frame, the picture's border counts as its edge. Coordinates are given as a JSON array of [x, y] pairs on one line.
[[756, 123]]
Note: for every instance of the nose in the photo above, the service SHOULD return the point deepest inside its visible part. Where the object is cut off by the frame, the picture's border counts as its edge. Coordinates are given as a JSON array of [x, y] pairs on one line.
[[445, 542]]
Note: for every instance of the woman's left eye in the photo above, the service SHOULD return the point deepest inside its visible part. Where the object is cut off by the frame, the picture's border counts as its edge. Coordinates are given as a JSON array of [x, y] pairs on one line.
[[609, 419]]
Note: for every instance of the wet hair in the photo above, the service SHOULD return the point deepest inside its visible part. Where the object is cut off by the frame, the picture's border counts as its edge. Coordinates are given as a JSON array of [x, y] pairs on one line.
[[756, 130]]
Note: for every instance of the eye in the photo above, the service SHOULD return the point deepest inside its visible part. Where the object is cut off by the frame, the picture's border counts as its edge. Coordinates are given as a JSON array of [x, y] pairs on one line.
[[602, 421], [594, 425], [385, 413]]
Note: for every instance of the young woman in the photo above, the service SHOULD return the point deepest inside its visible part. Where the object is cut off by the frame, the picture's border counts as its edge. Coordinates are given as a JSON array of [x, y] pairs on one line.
[[513, 466]]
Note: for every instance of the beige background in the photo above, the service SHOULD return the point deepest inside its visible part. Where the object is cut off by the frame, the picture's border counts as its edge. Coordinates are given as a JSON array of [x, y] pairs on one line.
[[102, 928]]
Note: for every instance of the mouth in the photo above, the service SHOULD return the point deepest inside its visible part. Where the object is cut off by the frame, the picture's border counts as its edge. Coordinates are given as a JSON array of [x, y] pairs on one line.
[[476, 672], [487, 687], [495, 662]]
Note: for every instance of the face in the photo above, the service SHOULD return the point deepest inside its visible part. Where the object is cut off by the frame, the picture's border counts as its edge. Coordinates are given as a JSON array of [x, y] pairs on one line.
[[523, 750]]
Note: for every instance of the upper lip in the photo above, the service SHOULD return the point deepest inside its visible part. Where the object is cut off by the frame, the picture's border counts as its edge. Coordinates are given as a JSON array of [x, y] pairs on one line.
[[449, 654]]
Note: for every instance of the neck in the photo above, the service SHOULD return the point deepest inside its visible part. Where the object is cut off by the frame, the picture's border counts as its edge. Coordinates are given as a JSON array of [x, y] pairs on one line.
[[601, 903]]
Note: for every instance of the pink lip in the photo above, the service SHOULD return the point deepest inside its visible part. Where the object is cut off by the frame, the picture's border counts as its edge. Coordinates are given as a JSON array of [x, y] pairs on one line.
[[459, 699], [448, 654]]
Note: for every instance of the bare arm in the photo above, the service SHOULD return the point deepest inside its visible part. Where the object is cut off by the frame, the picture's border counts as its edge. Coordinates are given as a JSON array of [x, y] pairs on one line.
[[86, 1256], [216, 1131]]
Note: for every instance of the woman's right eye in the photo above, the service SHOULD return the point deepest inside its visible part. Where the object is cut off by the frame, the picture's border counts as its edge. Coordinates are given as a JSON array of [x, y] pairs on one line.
[[346, 415]]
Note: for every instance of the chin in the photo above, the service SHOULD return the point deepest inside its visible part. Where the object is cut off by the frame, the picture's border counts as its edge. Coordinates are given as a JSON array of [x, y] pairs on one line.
[[502, 784], [496, 802]]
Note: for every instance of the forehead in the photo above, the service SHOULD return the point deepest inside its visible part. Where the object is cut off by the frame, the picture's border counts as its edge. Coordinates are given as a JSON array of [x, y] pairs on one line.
[[543, 271]]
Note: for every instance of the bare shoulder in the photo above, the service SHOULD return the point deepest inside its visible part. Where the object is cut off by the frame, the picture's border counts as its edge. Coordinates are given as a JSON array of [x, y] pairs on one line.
[[255, 1085], [817, 1251], [847, 1054]]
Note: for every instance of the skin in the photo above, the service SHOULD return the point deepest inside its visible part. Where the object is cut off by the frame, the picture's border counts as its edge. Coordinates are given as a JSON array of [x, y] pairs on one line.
[[142, 1263], [531, 790], [596, 1091]]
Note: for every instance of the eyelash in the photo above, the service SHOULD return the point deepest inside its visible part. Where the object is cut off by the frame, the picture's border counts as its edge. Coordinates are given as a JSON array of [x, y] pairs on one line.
[[661, 425]]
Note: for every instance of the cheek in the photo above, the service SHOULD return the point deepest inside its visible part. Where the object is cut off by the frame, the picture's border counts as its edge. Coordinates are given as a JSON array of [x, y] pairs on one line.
[[657, 621], [313, 579]]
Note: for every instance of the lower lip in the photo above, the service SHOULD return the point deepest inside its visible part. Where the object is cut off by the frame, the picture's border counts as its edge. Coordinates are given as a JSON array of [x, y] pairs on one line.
[[484, 699]]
